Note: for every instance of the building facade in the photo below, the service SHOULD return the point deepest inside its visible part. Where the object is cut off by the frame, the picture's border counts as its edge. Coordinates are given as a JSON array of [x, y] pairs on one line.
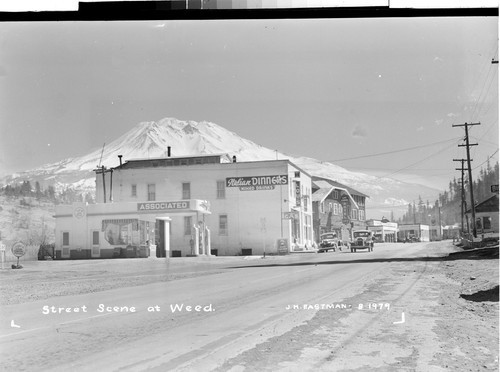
[[486, 216], [337, 208], [417, 230], [213, 204], [383, 230]]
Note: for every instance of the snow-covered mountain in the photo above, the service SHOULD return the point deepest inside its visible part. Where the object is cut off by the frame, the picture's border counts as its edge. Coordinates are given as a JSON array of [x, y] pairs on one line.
[[151, 139]]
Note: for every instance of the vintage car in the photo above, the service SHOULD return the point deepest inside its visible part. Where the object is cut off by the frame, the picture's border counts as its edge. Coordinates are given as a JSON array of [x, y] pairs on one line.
[[327, 242], [362, 239]]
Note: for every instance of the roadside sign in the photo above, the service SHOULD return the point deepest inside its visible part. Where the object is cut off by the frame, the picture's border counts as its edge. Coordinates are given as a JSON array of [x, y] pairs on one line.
[[18, 249], [282, 246], [2, 247]]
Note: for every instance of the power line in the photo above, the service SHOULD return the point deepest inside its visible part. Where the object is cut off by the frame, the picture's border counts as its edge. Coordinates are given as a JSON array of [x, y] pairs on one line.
[[420, 161], [394, 151]]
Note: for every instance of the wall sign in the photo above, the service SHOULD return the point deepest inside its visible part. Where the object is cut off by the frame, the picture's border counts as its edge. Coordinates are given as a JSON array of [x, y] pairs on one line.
[[346, 208], [297, 193], [256, 183], [163, 206]]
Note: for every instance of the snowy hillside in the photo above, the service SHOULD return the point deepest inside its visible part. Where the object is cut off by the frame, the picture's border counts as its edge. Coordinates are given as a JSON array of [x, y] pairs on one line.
[[151, 139]]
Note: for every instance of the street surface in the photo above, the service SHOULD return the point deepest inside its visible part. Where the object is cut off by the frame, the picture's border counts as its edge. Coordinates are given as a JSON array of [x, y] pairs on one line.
[[331, 311]]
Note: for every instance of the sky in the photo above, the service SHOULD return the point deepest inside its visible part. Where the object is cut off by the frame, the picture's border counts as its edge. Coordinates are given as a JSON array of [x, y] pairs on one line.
[[374, 95]]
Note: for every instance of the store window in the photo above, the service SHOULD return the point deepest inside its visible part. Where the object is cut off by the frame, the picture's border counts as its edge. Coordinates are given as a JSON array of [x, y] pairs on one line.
[[188, 222], [186, 190], [221, 189], [151, 192], [65, 238], [223, 224], [95, 237], [487, 223]]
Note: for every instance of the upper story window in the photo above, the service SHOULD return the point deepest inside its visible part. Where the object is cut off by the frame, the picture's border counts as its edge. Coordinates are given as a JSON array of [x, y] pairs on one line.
[[322, 207], [186, 190], [354, 214], [134, 190], [151, 192], [336, 194], [221, 189]]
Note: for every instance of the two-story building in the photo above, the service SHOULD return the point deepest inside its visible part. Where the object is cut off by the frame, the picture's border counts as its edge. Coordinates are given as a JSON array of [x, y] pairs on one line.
[[207, 204], [338, 208]]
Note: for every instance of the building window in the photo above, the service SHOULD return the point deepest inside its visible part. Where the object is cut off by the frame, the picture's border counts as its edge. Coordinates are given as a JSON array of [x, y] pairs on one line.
[[330, 207], [335, 209], [151, 192], [361, 215], [223, 224], [221, 189], [95, 237], [186, 190], [65, 238], [188, 222], [354, 214], [322, 207], [134, 190], [335, 194], [297, 174]]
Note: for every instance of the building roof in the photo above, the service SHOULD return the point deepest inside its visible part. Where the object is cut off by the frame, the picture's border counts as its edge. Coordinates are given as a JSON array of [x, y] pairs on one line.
[[488, 205], [193, 160], [339, 185], [325, 188]]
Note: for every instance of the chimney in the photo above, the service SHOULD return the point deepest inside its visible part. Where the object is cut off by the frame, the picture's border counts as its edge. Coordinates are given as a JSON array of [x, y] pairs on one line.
[[120, 157], [168, 151], [234, 158]]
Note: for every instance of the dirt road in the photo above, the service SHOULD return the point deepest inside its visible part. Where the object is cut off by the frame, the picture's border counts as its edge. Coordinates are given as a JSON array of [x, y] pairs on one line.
[[397, 308]]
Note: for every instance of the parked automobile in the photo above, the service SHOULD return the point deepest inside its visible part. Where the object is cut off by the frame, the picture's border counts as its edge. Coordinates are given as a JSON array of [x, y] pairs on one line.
[[328, 241], [362, 239]]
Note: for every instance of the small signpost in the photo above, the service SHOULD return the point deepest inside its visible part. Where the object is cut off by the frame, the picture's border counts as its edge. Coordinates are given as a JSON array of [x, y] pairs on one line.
[[2, 253], [18, 250]]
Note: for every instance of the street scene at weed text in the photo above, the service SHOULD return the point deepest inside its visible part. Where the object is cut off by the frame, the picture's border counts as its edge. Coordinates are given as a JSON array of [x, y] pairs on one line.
[[245, 193]]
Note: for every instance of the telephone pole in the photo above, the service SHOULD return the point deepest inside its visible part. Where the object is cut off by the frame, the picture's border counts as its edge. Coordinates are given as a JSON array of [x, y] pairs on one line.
[[469, 169], [462, 191]]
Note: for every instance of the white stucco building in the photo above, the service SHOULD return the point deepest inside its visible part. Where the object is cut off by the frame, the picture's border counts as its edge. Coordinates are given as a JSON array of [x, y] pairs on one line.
[[212, 204]]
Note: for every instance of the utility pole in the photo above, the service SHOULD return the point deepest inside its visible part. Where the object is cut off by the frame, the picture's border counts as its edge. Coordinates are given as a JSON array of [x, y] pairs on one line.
[[462, 210], [469, 169]]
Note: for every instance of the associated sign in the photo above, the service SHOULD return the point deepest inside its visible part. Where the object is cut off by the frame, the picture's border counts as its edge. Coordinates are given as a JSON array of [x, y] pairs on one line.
[[256, 183], [18, 249], [162, 206], [290, 215]]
